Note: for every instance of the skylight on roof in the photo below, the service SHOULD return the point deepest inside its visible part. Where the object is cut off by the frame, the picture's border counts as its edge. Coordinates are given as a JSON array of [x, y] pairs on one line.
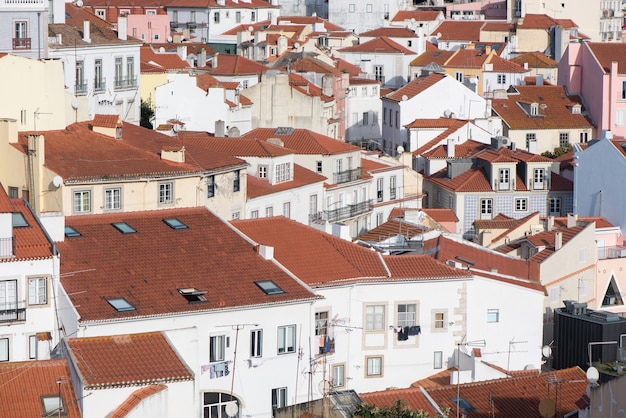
[[283, 130], [193, 295], [121, 304], [124, 228], [53, 405], [463, 404], [71, 232], [269, 287], [19, 221], [175, 223]]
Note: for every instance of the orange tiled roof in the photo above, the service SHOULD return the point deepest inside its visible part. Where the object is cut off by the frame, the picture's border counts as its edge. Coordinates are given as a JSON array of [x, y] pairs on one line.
[[380, 45], [5, 202], [356, 81], [161, 61], [239, 147], [421, 267], [418, 15], [136, 398], [505, 66], [305, 87], [301, 176], [390, 32], [546, 239], [414, 399], [345, 66], [229, 64], [467, 58], [536, 21], [107, 121], [435, 55], [600, 221], [464, 150], [30, 243], [415, 87], [304, 141], [228, 4], [308, 20], [498, 27], [129, 359], [391, 228], [308, 64], [441, 214], [26, 382], [535, 59], [459, 30], [606, 53], [555, 109], [137, 266]]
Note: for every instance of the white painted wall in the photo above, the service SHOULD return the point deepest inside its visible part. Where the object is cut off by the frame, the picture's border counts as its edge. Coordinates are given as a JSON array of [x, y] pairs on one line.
[[395, 66], [361, 99]]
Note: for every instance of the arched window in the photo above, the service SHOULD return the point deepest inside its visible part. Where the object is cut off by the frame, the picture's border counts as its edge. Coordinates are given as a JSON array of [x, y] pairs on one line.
[[214, 405]]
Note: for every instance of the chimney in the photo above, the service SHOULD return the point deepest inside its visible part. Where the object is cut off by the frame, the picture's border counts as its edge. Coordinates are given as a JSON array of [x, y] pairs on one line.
[[282, 44], [86, 32], [59, 39], [181, 50], [550, 224], [214, 60], [572, 219], [202, 58], [8, 131], [265, 251], [450, 148], [177, 156], [558, 241], [219, 129], [526, 66], [273, 20], [539, 80], [122, 28]]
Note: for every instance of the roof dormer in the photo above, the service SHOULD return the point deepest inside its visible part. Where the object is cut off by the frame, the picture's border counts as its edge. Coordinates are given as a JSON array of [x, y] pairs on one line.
[[109, 125], [534, 109]]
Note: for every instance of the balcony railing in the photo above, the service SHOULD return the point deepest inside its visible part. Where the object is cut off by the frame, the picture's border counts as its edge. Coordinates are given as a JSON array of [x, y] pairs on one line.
[[99, 85], [348, 211], [611, 252], [122, 83], [21, 43], [346, 176], [7, 247], [80, 88], [13, 312]]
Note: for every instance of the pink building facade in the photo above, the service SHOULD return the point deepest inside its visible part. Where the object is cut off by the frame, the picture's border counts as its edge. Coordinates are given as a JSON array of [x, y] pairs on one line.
[[477, 10], [149, 28]]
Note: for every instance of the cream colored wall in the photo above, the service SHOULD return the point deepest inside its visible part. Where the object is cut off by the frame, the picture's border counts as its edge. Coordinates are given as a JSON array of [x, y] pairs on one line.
[[532, 40], [494, 36], [148, 82], [547, 139], [226, 202], [468, 73]]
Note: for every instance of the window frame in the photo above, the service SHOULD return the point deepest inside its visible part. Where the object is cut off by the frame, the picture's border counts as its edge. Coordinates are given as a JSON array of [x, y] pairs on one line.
[[37, 295], [438, 360], [563, 139], [493, 316], [7, 342], [553, 204], [110, 201], [217, 348], [338, 379], [504, 179], [166, 188], [287, 209], [84, 204], [262, 171], [374, 366], [521, 204], [286, 343], [439, 320], [322, 322], [486, 207], [256, 343], [32, 346], [375, 320], [237, 181], [279, 397], [406, 321]]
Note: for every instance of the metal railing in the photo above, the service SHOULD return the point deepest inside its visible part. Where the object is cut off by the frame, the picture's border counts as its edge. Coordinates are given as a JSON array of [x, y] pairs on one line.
[[348, 211], [21, 43], [611, 252], [347, 175], [99, 84], [125, 83], [13, 312], [80, 88]]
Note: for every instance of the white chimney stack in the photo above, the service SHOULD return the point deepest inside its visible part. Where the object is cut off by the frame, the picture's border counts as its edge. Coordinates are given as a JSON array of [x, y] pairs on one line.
[[86, 32], [122, 28], [450, 148]]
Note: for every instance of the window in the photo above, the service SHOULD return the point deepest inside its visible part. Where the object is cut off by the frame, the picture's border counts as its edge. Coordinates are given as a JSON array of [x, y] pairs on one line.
[[269, 287], [287, 339], [379, 219], [439, 320], [319, 166], [287, 209], [113, 199], [262, 172], [130, 68], [253, 16], [620, 117], [534, 109], [151, 12], [82, 201], [504, 179], [13, 192], [366, 118], [563, 139], [71, 232], [217, 348], [283, 172], [254, 214], [18, 219], [237, 181], [407, 314], [210, 186], [175, 223], [98, 80], [339, 163], [124, 228], [521, 205], [384, 116], [238, 17], [501, 78], [193, 295], [379, 189], [80, 77], [256, 343], [20, 35], [32, 346], [375, 317], [459, 76], [215, 403], [351, 8], [584, 137], [531, 140], [4, 349], [392, 187], [313, 205], [397, 120], [438, 360], [338, 375], [554, 206], [493, 315], [166, 193], [216, 17], [369, 8], [379, 74], [121, 304], [100, 13], [279, 398], [374, 366], [37, 291], [486, 207], [554, 294], [269, 211], [321, 323], [235, 215], [538, 178], [118, 72]]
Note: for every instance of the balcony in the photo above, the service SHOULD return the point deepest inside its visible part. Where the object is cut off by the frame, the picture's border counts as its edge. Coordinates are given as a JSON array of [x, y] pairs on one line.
[[99, 85], [174, 25], [80, 89], [611, 252], [348, 211], [346, 176], [123, 83], [13, 312], [21, 43], [7, 247]]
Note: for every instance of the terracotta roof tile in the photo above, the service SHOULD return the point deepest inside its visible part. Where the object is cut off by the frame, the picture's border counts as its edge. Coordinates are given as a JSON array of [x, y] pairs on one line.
[[459, 30], [31, 242], [26, 382], [535, 59], [390, 32], [437, 56], [536, 21], [239, 147], [390, 229], [380, 45], [304, 86], [421, 267], [505, 66], [135, 398], [467, 58], [607, 52], [228, 4], [547, 239], [415, 87], [473, 180], [463, 150], [136, 266], [304, 141], [414, 399], [107, 121], [355, 81], [600, 221], [418, 15], [129, 359], [166, 61], [345, 66], [309, 64], [498, 27], [441, 214], [308, 20], [5, 202], [301, 177], [228, 64]]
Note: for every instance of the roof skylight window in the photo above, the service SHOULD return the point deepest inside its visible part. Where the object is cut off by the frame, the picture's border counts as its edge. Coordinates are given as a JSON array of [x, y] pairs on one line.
[[124, 228], [71, 232], [121, 304], [283, 130], [463, 404], [175, 223], [19, 221], [269, 287], [193, 295]]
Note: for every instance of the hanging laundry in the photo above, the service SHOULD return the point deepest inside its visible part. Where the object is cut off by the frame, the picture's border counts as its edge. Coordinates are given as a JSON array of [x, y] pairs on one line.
[[415, 330], [402, 336]]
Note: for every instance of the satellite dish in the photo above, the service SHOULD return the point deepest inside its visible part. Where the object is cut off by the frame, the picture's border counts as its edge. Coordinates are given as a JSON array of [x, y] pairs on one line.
[[530, 367], [250, 29], [57, 181], [546, 351], [547, 407], [325, 386], [75, 103], [231, 409], [170, 39], [296, 45], [79, 3], [438, 35], [447, 113], [405, 97], [593, 375], [400, 149]]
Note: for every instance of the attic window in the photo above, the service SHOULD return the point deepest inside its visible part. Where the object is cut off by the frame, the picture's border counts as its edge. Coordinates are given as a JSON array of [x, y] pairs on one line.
[[463, 404], [534, 109], [53, 406], [124, 228], [175, 223], [193, 295], [283, 130], [19, 221], [269, 287], [71, 232], [121, 305]]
